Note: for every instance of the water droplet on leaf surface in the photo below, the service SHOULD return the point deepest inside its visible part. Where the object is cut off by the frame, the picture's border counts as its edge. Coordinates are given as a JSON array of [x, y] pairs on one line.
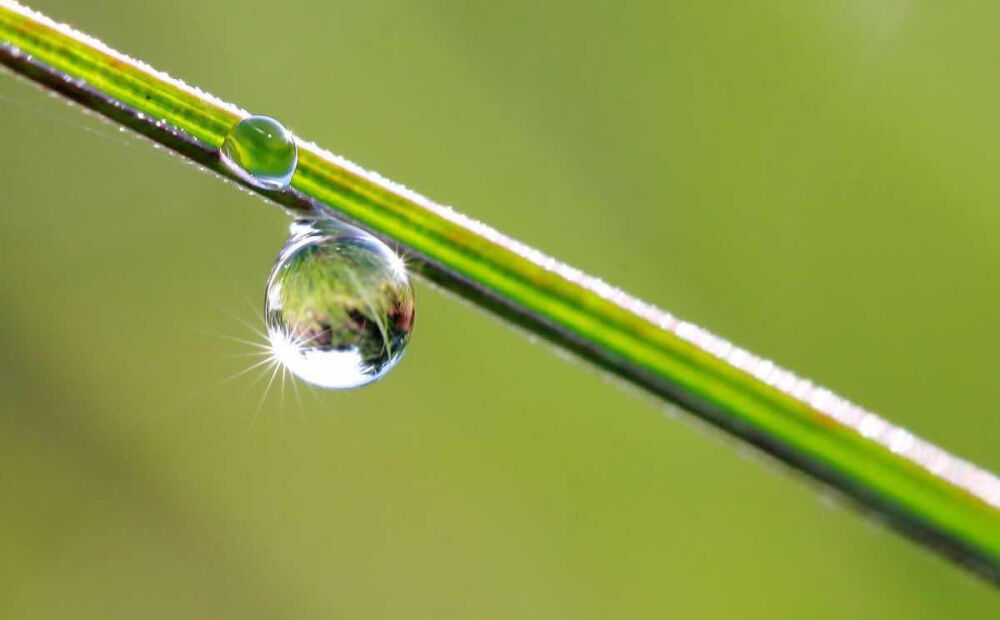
[[339, 307], [261, 152]]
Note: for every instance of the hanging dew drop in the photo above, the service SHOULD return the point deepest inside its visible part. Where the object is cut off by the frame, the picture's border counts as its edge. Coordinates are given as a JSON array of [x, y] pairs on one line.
[[339, 307], [261, 152]]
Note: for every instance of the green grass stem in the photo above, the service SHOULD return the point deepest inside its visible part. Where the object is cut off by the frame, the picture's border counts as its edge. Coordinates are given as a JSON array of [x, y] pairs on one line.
[[939, 499]]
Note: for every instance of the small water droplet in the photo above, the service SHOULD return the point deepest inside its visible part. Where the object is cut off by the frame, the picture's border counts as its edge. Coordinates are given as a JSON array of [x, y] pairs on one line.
[[339, 307], [261, 152]]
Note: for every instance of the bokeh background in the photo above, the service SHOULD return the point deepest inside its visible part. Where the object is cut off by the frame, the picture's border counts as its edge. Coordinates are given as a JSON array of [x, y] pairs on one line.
[[814, 180]]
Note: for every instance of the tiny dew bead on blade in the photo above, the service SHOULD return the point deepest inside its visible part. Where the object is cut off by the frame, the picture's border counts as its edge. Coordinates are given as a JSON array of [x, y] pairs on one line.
[[261, 151], [339, 306]]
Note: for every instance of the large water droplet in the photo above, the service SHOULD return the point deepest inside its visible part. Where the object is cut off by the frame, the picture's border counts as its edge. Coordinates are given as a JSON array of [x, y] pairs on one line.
[[261, 152], [339, 305]]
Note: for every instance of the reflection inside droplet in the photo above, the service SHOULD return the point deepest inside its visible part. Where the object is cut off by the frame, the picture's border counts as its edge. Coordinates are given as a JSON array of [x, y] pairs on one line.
[[339, 307]]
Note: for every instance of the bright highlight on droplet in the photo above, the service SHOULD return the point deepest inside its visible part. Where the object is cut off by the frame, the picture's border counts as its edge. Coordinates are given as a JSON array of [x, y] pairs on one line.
[[339, 307], [260, 151]]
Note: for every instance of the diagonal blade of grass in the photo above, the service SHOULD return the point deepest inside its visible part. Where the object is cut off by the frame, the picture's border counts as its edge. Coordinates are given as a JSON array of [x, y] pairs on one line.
[[935, 497]]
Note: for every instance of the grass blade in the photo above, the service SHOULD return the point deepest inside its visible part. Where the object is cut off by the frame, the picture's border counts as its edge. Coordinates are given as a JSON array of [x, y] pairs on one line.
[[939, 499]]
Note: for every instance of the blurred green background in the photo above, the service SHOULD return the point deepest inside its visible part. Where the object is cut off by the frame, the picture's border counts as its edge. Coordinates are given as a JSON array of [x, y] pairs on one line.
[[814, 180]]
